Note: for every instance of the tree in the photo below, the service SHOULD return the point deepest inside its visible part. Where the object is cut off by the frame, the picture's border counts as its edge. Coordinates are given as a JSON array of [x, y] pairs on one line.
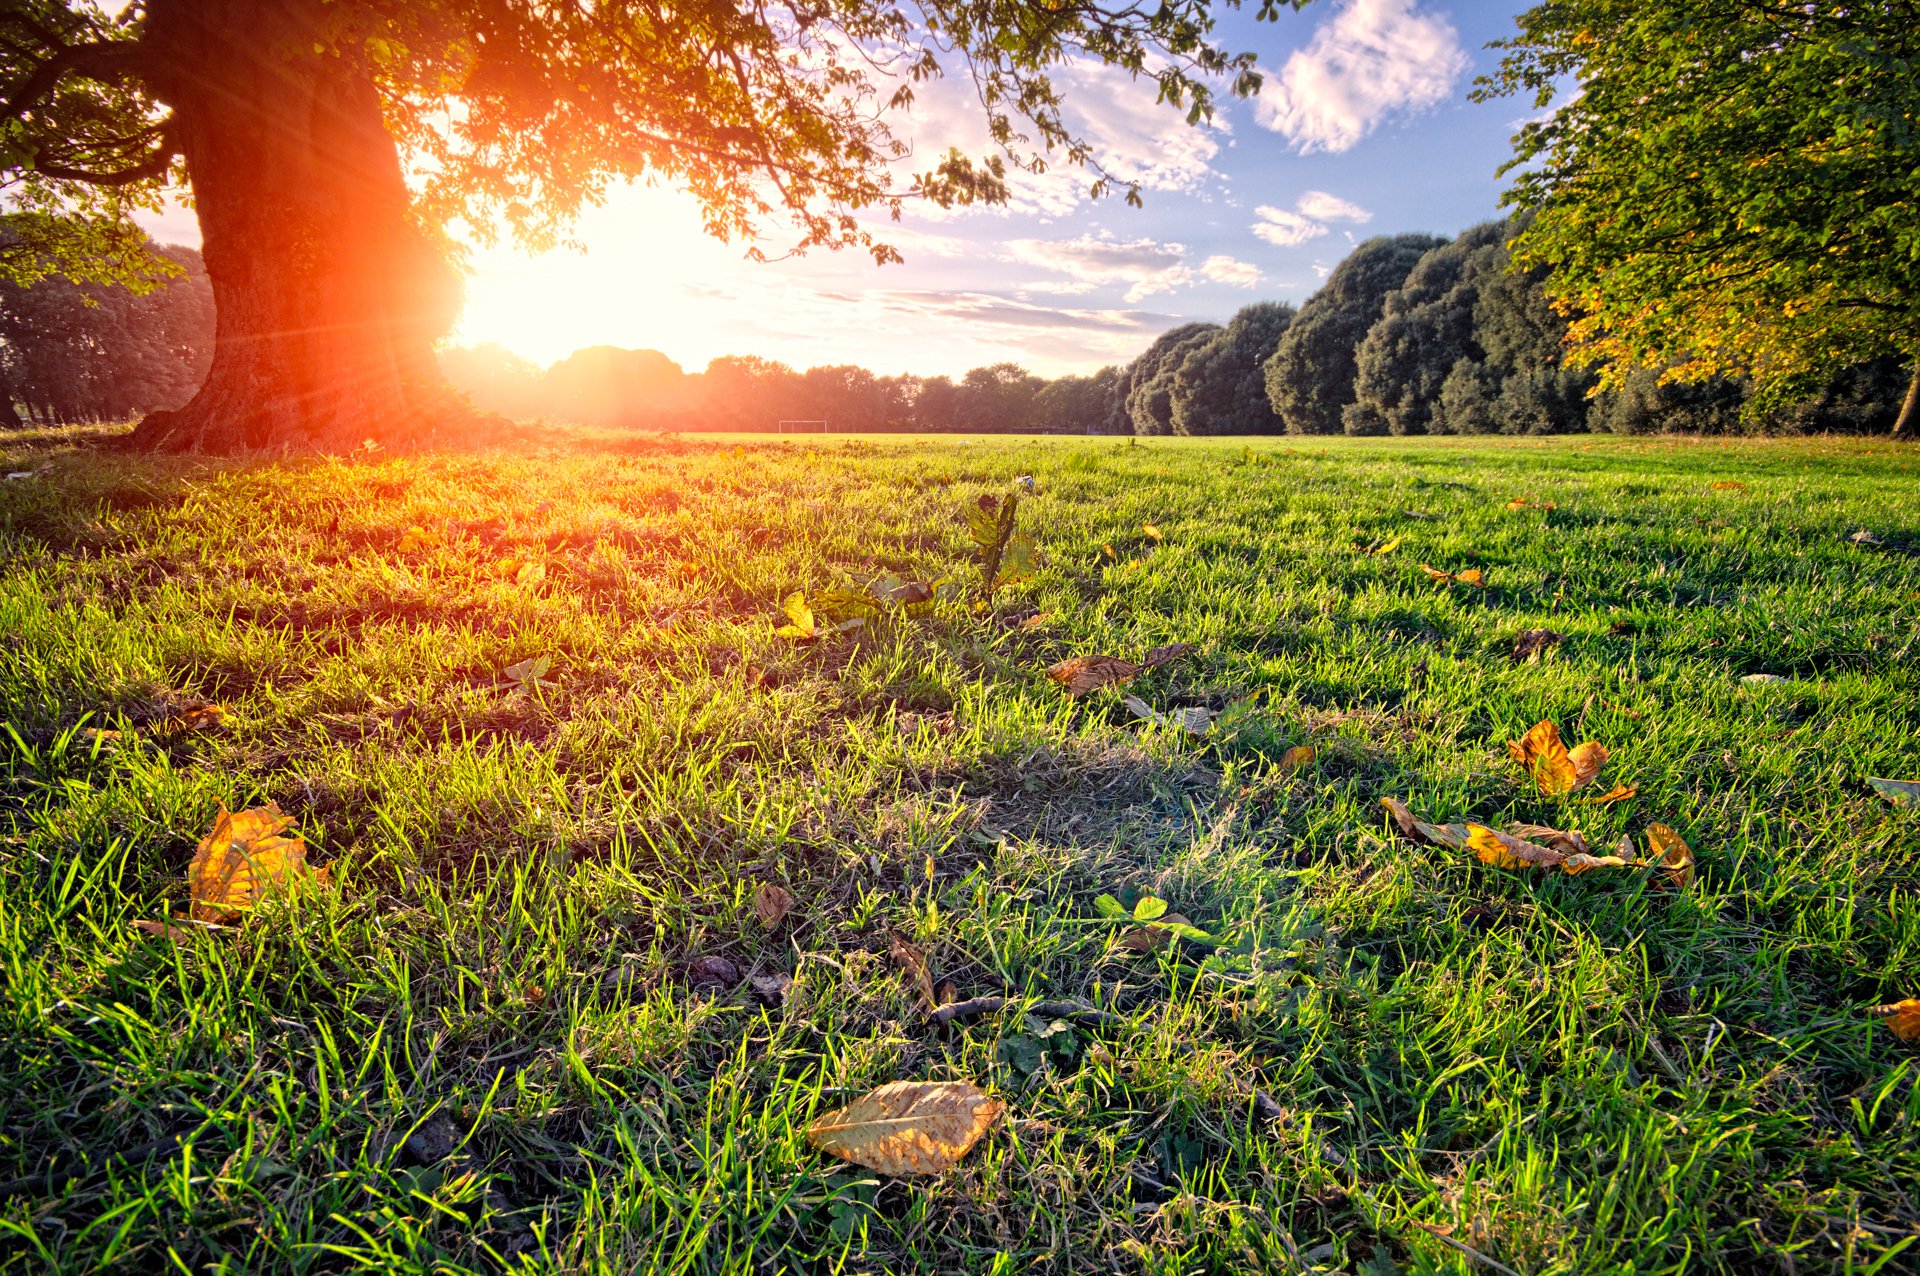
[[1310, 375], [996, 399], [296, 122], [1731, 191], [1084, 405], [1149, 401], [1220, 387], [633, 389]]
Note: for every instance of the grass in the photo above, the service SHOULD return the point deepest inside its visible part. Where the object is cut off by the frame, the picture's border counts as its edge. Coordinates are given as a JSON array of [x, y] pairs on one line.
[[482, 1049]]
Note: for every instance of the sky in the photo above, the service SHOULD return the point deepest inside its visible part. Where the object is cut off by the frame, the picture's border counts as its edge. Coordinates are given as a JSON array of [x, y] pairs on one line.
[[1363, 128]]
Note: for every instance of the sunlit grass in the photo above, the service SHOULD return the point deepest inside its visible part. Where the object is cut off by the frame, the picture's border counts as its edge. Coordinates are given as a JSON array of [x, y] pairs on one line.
[[1562, 1074]]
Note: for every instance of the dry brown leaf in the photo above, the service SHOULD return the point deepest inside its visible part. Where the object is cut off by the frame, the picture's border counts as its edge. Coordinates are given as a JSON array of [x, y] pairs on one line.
[[1566, 841], [244, 859], [771, 904], [1471, 576], [1296, 757], [1554, 767], [908, 1127], [1670, 854], [199, 717], [712, 971], [1533, 643], [1148, 939], [1727, 485], [1161, 655], [1503, 850], [1618, 793], [910, 959], [174, 929], [1901, 1016], [1084, 674], [1577, 864], [1452, 836]]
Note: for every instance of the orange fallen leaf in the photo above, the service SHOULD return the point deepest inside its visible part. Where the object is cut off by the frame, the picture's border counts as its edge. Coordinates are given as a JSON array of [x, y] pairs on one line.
[[199, 717], [1084, 674], [1618, 793], [1296, 757], [244, 860], [175, 929], [771, 904], [1670, 854], [908, 1127], [1527, 502], [1452, 836], [1554, 767], [419, 538], [1504, 850], [1471, 576], [1901, 1016], [1728, 485]]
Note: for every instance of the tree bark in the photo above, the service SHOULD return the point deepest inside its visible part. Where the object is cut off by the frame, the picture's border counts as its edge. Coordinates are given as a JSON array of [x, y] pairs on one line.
[[327, 297], [1907, 424]]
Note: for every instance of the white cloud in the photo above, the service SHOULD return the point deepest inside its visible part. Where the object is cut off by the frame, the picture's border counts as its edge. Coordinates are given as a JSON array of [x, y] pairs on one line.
[[1278, 226], [1371, 59], [1228, 270], [1331, 208], [1147, 265], [1308, 219]]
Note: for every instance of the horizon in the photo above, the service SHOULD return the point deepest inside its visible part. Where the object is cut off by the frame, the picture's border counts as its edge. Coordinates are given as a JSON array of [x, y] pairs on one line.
[[1362, 129]]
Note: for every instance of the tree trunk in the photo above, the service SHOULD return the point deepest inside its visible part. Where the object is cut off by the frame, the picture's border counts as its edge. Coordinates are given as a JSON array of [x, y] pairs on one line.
[[1907, 424], [327, 297]]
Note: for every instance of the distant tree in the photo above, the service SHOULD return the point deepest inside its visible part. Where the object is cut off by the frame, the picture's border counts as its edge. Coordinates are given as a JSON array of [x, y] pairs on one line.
[[746, 392], [845, 395], [936, 408], [97, 352], [1149, 401], [1220, 387], [1309, 378], [997, 399], [297, 122], [1730, 191], [607, 385], [1082, 405], [496, 379]]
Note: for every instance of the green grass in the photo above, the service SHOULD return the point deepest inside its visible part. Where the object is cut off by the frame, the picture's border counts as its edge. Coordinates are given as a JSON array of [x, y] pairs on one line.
[[1591, 1074]]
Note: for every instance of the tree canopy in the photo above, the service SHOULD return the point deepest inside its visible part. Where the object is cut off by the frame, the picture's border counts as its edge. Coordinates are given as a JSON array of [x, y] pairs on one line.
[[1732, 190]]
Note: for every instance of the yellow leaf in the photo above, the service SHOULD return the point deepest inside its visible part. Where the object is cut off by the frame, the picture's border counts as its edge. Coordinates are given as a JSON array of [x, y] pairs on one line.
[[908, 1127], [1296, 757], [1901, 1016], [1618, 793], [771, 904], [244, 860], [1153, 533], [1387, 547], [800, 625], [1083, 674], [1503, 850], [1554, 768], [1669, 854], [1471, 576], [419, 538], [1728, 485]]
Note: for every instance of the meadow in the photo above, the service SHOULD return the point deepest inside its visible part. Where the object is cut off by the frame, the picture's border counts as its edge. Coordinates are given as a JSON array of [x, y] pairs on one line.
[[542, 1018]]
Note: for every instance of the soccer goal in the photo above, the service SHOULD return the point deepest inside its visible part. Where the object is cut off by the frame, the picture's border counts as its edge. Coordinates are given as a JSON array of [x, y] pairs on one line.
[[803, 427]]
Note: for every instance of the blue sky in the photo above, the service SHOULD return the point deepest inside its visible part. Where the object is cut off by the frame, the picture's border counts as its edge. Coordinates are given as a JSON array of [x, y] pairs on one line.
[[1363, 128]]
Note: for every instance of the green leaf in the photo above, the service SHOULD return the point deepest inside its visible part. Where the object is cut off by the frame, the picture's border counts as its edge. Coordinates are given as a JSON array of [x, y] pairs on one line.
[[1898, 792], [1148, 908], [1108, 906]]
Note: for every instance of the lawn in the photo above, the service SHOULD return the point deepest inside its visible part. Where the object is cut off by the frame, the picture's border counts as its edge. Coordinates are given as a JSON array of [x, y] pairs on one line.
[[537, 1020]]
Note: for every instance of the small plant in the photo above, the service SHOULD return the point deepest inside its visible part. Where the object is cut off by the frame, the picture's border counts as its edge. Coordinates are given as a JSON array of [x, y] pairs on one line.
[[1006, 553]]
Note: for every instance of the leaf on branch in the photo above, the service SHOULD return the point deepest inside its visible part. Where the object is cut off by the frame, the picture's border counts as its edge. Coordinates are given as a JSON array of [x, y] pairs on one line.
[[908, 1127], [245, 860], [1082, 675], [1903, 1017], [1554, 767]]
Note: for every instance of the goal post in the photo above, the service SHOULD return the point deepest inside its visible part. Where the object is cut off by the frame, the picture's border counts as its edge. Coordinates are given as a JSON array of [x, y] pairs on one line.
[[802, 427]]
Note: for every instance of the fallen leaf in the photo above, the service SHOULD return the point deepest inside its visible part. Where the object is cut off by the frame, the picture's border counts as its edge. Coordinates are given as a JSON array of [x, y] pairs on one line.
[[1527, 502], [1153, 533], [199, 717], [910, 959], [1554, 767], [1566, 841], [1670, 855], [418, 538], [1387, 546], [800, 625], [1154, 935], [175, 929], [908, 1127], [531, 672], [771, 904], [1452, 836], [1504, 850], [1727, 485], [1296, 757], [244, 860], [1618, 793], [1083, 674], [1161, 655], [771, 989], [100, 735], [1194, 721], [530, 573], [1531, 644], [1898, 792], [1762, 677], [712, 972], [1901, 1016], [1471, 576], [1865, 537]]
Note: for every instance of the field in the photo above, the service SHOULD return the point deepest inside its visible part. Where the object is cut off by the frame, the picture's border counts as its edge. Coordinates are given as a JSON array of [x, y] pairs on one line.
[[499, 1038]]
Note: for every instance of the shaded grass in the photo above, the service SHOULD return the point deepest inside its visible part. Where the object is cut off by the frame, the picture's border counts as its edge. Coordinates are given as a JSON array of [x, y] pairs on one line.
[[1562, 1074]]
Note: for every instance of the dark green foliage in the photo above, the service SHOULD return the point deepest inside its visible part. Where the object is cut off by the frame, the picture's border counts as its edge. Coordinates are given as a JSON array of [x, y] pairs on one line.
[[72, 353], [1150, 378], [1310, 376], [1220, 387], [997, 399], [1084, 405]]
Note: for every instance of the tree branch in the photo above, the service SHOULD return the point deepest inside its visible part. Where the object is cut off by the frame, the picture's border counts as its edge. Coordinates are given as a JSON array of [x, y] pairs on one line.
[[96, 59]]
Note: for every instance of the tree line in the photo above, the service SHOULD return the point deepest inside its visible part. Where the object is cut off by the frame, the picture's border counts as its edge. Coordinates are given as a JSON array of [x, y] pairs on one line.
[[1410, 334]]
